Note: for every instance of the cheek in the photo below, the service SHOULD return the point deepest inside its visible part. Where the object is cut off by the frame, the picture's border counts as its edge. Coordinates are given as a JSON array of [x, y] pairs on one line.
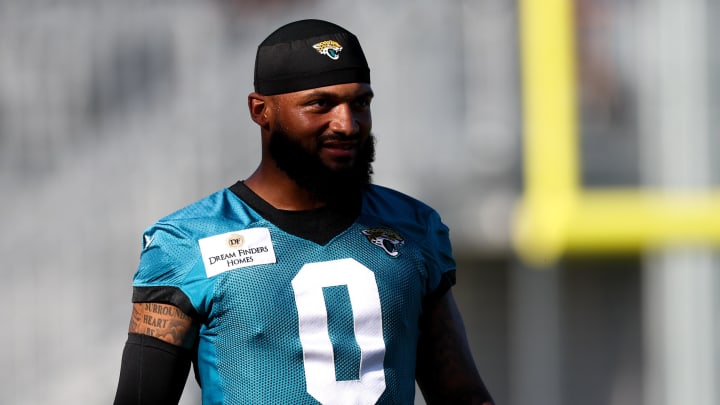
[[365, 121], [300, 125]]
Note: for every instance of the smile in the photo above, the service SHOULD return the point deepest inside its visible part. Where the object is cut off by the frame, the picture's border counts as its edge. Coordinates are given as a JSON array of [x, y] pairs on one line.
[[344, 145]]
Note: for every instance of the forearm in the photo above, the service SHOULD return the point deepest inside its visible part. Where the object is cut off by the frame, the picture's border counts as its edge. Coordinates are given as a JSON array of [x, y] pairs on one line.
[[454, 389], [153, 372], [157, 355]]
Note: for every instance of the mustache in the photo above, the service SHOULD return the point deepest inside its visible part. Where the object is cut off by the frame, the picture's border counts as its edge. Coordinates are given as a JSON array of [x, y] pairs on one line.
[[339, 138]]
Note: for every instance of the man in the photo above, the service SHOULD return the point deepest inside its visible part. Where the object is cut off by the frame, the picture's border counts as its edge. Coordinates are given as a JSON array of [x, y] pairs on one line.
[[304, 283]]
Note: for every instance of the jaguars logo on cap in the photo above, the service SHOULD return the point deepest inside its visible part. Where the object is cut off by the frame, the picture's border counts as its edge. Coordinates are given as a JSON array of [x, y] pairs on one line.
[[330, 48]]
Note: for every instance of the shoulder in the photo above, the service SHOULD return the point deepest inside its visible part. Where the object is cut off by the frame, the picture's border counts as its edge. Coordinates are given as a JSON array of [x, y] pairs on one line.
[[203, 216], [202, 208], [176, 234], [170, 247], [414, 221], [384, 199], [401, 211]]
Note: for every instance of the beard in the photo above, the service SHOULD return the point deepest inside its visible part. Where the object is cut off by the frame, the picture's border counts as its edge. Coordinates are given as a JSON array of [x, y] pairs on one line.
[[306, 169]]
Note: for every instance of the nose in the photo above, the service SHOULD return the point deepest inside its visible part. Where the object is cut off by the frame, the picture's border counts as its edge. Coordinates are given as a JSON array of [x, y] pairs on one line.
[[344, 121]]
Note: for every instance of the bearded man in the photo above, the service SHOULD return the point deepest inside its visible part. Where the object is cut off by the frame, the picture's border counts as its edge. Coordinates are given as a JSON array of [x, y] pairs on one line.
[[303, 283]]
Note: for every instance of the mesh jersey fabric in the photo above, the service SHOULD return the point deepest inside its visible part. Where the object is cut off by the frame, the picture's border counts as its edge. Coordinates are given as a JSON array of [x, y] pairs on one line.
[[336, 323]]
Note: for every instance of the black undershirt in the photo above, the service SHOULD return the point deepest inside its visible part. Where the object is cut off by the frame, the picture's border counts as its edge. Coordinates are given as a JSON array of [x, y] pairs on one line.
[[318, 225]]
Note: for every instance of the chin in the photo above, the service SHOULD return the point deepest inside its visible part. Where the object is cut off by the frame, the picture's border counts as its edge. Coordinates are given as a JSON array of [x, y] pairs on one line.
[[339, 167]]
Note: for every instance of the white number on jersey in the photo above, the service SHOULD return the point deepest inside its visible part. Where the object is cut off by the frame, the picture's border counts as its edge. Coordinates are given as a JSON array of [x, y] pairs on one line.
[[315, 338]]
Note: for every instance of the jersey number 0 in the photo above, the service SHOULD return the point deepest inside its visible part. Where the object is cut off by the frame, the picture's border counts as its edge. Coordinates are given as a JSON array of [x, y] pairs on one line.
[[317, 347]]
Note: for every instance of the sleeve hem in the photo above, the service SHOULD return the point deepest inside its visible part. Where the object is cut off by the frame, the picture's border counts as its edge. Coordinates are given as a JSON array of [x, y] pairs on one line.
[[167, 295]]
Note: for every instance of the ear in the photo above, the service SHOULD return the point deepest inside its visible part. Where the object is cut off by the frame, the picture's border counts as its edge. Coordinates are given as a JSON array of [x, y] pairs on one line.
[[259, 107]]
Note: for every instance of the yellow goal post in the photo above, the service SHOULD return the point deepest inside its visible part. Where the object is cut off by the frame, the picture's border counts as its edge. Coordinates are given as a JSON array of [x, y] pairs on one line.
[[555, 215]]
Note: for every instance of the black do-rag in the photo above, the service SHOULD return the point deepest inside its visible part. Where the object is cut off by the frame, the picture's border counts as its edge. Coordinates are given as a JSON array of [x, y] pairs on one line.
[[307, 54]]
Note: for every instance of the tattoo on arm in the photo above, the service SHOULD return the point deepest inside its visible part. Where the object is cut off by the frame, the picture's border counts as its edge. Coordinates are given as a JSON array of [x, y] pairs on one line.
[[163, 321]]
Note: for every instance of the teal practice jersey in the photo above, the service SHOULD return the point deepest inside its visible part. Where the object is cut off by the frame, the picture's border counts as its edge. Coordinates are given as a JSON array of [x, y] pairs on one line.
[[289, 318]]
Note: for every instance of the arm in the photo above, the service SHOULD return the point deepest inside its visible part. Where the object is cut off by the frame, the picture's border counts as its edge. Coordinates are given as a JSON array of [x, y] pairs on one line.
[[157, 356], [446, 372]]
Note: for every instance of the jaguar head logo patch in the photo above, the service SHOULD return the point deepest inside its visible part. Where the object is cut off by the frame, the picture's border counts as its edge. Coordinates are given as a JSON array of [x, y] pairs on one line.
[[387, 239], [330, 48]]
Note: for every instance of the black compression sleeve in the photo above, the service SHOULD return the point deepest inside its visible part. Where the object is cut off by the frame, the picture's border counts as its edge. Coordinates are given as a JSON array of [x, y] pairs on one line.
[[152, 372]]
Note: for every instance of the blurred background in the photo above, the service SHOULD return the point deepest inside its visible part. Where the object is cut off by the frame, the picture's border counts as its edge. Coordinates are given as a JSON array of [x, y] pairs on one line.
[[115, 113]]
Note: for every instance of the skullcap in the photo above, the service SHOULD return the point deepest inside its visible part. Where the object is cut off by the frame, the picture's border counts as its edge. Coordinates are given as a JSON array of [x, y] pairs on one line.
[[308, 54]]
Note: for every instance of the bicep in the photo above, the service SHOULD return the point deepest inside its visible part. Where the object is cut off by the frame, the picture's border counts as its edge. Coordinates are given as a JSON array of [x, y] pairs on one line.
[[446, 371], [162, 321]]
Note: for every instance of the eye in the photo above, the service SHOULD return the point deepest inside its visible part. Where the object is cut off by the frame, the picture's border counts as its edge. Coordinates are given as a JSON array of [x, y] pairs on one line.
[[319, 104], [362, 103]]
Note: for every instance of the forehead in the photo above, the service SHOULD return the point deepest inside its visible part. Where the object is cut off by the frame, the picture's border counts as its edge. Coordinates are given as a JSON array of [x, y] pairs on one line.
[[340, 91]]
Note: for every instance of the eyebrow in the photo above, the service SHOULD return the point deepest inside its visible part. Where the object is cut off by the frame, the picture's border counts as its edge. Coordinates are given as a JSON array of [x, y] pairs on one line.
[[328, 94]]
